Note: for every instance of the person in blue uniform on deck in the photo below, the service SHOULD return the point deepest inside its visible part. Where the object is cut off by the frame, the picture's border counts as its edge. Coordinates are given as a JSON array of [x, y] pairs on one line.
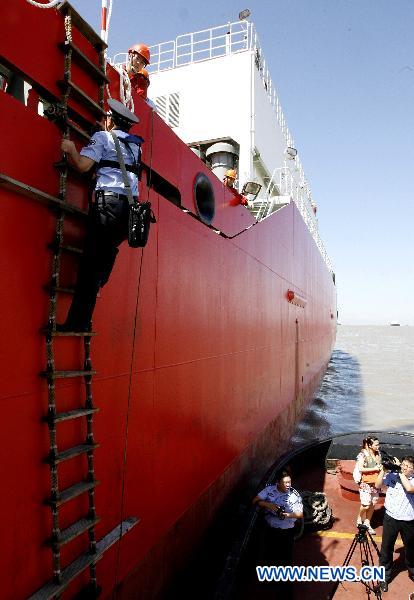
[[283, 506], [107, 223], [399, 516]]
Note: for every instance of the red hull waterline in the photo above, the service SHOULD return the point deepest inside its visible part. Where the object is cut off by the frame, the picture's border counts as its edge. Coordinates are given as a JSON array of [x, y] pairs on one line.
[[203, 365]]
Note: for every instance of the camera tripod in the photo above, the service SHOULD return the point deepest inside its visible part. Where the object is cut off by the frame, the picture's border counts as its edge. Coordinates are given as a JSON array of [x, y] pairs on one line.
[[364, 540]]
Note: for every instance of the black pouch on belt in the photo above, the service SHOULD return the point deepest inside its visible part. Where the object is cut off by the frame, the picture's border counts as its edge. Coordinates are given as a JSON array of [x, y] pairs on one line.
[[139, 221], [140, 216]]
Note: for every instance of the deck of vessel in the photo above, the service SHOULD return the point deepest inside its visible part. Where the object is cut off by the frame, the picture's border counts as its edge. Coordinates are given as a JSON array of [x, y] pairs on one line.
[[326, 547], [331, 547]]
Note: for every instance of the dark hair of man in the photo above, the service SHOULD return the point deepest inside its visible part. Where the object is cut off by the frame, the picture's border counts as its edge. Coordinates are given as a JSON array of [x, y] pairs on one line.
[[281, 475], [120, 123], [409, 458], [368, 441]]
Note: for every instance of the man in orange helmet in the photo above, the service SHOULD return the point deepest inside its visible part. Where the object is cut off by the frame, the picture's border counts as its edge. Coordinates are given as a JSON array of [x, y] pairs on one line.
[[138, 58], [229, 181]]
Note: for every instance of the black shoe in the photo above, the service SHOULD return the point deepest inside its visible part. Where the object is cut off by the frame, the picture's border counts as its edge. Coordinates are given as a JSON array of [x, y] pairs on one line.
[[383, 585]]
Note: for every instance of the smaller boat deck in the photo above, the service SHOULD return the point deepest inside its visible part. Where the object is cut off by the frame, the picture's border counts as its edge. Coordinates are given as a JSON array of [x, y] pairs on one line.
[[330, 546]]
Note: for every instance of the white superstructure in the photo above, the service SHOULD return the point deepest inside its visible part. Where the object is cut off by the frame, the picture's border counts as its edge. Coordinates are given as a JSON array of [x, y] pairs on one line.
[[214, 89]]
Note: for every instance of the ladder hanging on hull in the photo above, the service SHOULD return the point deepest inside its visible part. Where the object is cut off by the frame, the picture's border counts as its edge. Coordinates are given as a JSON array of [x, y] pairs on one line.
[[59, 537]]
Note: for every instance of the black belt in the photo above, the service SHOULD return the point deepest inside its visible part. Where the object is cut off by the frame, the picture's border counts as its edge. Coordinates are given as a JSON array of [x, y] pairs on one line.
[[105, 194], [115, 165]]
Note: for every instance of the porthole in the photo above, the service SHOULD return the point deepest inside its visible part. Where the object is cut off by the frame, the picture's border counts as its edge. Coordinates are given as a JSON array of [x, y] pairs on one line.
[[204, 198]]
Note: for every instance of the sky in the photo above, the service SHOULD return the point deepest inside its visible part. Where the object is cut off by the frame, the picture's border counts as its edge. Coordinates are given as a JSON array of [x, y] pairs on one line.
[[344, 72]]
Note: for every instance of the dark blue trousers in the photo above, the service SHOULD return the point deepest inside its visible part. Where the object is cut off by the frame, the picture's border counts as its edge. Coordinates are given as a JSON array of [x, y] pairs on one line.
[[278, 551], [391, 529], [107, 227]]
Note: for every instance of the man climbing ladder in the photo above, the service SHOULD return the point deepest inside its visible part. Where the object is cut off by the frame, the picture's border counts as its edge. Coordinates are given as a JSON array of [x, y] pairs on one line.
[[108, 215]]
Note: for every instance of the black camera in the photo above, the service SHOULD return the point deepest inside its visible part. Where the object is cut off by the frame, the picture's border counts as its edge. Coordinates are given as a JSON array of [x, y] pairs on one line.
[[280, 513], [389, 464]]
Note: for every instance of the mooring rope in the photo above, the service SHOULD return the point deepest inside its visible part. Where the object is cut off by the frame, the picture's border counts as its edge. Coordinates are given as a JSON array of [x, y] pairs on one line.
[[50, 4], [124, 471]]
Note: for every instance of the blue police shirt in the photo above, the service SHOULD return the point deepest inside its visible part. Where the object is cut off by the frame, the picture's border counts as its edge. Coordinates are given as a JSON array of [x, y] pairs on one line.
[[399, 504], [102, 147], [290, 501]]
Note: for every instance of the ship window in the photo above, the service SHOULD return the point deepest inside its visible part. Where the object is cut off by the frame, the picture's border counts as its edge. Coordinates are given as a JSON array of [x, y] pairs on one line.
[[15, 84], [168, 107], [204, 198]]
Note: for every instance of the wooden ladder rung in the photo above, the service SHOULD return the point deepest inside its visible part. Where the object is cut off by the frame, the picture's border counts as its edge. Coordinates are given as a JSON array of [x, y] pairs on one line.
[[66, 248], [66, 374], [83, 61], [36, 194], [73, 333], [71, 249], [72, 492], [71, 453], [81, 132], [82, 26], [83, 98], [50, 590], [69, 414], [71, 532], [59, 289], [63, 290]]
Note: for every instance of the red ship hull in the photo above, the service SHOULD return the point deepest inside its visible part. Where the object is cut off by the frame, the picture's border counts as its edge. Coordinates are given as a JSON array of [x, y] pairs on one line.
[[203, 365]]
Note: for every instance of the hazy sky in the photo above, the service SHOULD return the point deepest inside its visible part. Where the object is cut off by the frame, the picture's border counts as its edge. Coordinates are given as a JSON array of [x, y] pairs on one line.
[[344, 71]]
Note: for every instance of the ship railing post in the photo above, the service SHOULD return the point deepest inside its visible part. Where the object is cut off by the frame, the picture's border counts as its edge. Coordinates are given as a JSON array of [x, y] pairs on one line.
[[228, 41]]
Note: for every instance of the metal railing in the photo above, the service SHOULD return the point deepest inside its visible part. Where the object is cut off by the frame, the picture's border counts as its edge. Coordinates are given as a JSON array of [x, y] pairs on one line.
[[224, 40], [212, 43], [285, 184], [206, 44], [196, 47]]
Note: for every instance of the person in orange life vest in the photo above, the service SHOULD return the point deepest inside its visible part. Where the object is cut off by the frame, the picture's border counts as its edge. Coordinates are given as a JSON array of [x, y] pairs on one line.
[[228, 180], [369, 464], [140, 84]]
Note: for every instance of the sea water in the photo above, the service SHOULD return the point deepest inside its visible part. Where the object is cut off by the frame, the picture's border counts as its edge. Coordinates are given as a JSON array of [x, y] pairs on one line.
[[368, 386]]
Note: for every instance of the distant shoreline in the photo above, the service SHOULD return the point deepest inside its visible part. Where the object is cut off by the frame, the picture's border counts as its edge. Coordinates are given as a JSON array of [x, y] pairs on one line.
[[340, 324]]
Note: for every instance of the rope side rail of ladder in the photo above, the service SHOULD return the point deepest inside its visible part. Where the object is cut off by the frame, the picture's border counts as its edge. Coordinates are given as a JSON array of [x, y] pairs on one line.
[[63, 576]]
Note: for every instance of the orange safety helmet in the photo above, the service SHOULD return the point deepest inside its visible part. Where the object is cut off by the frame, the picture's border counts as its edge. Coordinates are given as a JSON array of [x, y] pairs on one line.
[[144, 74], [231, 174], [142, 50]]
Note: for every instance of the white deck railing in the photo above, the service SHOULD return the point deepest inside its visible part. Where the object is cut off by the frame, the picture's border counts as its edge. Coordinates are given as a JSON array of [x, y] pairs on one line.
[[287, 186], [230, 39], [213, 43]]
